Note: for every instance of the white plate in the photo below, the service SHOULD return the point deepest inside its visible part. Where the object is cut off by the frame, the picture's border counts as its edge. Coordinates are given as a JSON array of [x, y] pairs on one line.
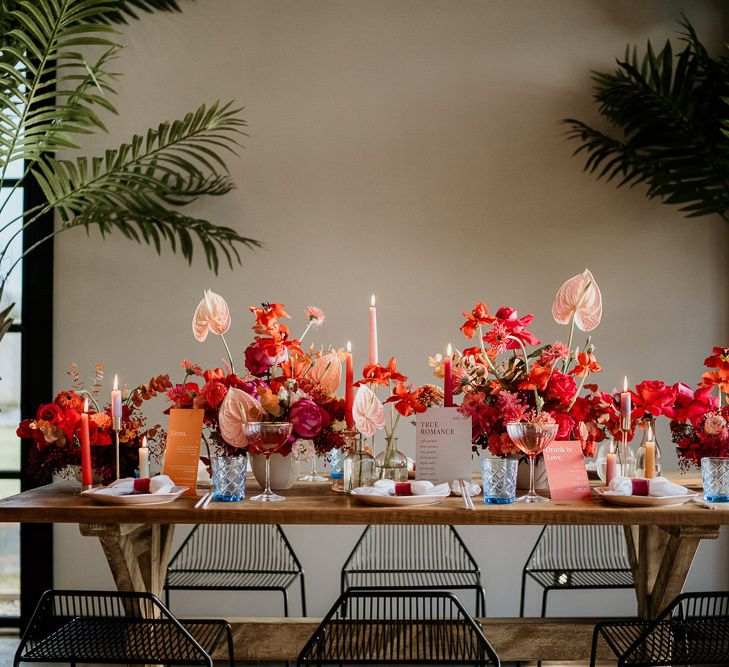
[[644, 501], [397, 500], [135, 499]]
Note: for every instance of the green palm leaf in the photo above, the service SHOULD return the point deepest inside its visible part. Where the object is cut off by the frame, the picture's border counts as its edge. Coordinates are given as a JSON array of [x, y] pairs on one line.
[[667, 115]]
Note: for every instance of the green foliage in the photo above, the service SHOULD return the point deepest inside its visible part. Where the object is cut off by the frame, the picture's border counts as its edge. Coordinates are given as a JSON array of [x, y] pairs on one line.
[[668, 116], [52, 92]]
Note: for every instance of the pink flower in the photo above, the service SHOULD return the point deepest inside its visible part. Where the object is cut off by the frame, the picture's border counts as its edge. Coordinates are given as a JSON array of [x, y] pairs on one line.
[[516, 326], [367, 411], [692, 406], [236, 410], [554, 352], [306, 418], [498, 337], [211, 314], [315, 315], [579, 297], [258, 362]]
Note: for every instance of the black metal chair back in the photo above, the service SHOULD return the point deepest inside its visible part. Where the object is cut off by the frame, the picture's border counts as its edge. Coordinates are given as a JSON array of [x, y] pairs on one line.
[[693, 629], [577, 557], [114, 627], [412, 557], [398, 628], [236, 557]]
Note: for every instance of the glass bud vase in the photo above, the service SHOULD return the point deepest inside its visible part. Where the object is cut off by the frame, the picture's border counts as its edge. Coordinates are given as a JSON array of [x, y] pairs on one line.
[[359, 465], [392, 463], [648, 463], [336, 468]]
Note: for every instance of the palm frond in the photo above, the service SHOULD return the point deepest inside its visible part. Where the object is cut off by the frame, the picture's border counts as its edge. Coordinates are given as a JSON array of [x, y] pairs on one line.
[[48, 90], [131, 188], [667, 115]]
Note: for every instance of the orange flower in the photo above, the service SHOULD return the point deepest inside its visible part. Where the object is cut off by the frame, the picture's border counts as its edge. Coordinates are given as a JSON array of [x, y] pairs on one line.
[[720, 358], [406, 402], [269, 401], [378, 374], [267, 317], [718, 378], [586, 364], [537, 379], [102, 420], [478, 316]]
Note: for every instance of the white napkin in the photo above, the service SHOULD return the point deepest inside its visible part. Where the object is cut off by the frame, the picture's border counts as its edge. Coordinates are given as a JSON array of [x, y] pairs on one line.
[[657, 487], [473, 489], [386, 487], [125, 487]]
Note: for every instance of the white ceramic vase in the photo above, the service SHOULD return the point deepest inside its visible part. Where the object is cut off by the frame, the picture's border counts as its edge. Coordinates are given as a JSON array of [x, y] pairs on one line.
[[283, 470]]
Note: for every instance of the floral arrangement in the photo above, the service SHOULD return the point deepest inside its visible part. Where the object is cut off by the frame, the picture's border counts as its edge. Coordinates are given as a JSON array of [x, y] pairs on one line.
[[404, 400], [509, 376], [281, 382], [55, 430], [700, 425]]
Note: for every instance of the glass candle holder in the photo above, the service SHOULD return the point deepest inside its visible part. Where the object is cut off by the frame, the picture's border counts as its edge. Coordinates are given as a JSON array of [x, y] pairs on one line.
[[359, 465]]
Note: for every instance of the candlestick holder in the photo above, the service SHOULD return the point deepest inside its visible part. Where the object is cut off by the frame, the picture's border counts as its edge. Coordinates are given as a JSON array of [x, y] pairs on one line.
[[626, 458], [116, 425]]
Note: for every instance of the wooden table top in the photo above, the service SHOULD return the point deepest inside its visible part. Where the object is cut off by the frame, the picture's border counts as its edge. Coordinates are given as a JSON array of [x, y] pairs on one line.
[[317, 504]]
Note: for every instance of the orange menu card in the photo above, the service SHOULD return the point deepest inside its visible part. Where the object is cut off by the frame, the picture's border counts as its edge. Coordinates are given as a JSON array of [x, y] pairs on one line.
[[184, 431], [566, 470]]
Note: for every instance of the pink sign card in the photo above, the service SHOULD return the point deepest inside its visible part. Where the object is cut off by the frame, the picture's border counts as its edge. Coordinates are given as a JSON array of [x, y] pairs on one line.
[[566, 470]]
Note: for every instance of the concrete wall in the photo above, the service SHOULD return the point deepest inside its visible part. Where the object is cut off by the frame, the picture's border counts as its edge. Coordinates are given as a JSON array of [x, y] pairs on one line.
[[412, 149]]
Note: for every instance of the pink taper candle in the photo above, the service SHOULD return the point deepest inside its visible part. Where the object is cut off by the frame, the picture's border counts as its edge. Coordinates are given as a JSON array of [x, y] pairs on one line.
[[626, 405], [116, 405], [348, 387], [611, 468], [448, 378], [86, 467], [373, 331]]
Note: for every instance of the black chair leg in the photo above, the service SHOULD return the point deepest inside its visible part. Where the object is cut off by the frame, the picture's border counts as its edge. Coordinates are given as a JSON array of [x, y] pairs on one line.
[[231, 650], [481, 601], [302, 583], [167, 598], [286, 601], [523, 592], [544, 601]]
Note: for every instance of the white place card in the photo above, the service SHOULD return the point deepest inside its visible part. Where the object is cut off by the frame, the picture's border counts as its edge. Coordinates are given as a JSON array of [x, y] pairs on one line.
[[442, 445]]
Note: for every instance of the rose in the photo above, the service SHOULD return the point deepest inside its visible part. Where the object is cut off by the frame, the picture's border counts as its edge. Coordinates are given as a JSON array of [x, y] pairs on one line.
[[51, 413], [561, 387], [565, 425], [213, 393], [306, 417], [257, 361], [655, 398]]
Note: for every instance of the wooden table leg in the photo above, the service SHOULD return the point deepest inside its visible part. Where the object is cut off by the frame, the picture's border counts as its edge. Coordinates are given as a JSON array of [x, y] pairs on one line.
[[137, 554], [661, 558]]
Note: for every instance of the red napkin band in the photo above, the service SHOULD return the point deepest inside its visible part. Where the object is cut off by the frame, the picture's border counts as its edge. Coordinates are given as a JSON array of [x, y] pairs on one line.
[[141, 485], [640, 486], [403, 489]]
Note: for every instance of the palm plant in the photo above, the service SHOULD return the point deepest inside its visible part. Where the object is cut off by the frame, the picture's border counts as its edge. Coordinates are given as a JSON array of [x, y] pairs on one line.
[[669, 115], [52, 92]]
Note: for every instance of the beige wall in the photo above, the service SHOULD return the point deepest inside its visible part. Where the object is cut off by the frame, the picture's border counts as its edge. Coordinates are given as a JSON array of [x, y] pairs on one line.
[[411, 149]]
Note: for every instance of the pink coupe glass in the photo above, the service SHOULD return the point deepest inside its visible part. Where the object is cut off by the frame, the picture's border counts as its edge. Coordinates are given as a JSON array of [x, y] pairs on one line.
[[267, 437], [532, 439]]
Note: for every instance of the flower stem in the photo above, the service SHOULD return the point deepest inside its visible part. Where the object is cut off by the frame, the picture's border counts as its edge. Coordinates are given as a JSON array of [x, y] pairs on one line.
[[230, 356]]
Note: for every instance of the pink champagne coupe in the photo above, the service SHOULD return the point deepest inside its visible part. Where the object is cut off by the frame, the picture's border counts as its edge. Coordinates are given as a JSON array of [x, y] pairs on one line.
[[532, 439], [267, 437]]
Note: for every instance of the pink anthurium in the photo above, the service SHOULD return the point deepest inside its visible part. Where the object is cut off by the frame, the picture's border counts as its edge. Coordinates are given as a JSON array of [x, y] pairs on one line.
[[327, 372], [368, 412], [236, 410], [211, 315], [579, 298]]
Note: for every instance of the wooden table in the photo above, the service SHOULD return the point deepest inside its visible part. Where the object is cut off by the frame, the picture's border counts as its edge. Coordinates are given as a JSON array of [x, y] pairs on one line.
[[136, 540]]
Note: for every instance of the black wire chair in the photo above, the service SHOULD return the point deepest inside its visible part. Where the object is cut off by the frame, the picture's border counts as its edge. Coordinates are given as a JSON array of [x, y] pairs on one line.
[[112, 627], [398, 628], [577, 557], [413, 558], [236, 558], [693, 629]]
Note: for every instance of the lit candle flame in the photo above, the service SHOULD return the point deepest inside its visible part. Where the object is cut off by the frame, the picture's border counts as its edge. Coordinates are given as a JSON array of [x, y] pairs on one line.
[[625, 384], [449, 350], [372, 301], [86, 404], [349, 346], [116, 383]]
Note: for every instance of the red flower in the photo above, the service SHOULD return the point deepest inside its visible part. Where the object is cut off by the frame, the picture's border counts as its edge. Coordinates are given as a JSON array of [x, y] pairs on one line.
[[498, 337], [69, 400], [586, 364], [561, 387], [565, 423], [307, 418], [378, 374], [692, 405], [537, 379], [182, 396], [406, 402], [655, 398], [516, 326], [214, 375], [50, 413], [718, 378], [477, 317], [190, 368], [213, 393], [720, 359]]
